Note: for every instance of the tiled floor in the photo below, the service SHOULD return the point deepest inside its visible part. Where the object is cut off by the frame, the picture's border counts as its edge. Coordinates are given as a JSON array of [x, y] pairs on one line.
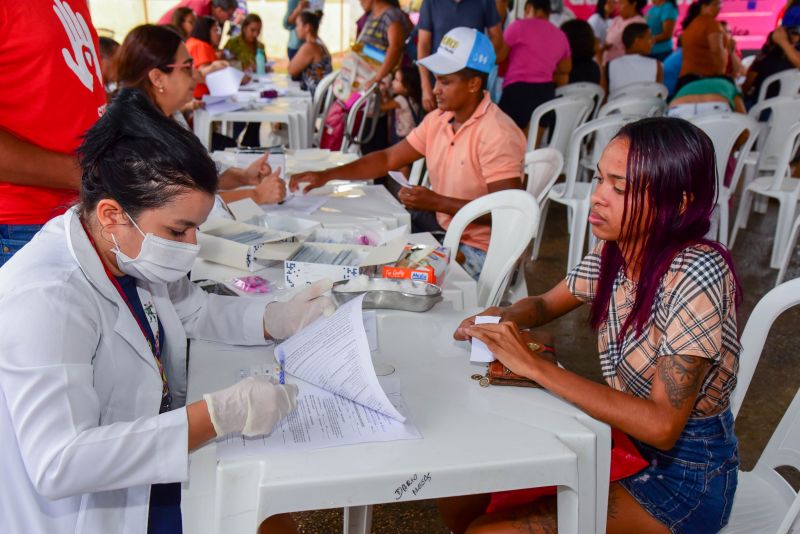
[[774, 384]]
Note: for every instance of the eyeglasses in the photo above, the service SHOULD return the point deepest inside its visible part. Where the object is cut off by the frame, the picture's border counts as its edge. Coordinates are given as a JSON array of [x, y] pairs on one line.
[[186, 65]]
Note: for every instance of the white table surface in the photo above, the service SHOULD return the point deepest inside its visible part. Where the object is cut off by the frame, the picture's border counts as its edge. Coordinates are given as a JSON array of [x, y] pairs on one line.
[[459, 288], [294, 109], [474, 440]]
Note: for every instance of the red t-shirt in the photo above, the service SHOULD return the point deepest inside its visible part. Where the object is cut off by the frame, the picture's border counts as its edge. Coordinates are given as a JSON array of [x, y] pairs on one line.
[[202, 54], [49, 94]]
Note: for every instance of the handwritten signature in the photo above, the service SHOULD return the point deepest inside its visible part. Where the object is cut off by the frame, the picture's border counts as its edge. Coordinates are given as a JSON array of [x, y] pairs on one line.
[[413, 484]]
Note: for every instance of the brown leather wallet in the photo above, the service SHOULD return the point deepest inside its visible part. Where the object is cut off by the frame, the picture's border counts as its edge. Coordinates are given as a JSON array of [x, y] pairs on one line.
[[500, 375]]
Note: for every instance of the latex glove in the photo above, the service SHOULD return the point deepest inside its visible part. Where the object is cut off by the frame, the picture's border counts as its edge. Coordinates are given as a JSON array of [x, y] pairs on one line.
[[284, 319], [251, 406]]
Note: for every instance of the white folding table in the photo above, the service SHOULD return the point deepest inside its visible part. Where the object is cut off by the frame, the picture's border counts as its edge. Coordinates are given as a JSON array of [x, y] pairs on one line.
[[475, 440]]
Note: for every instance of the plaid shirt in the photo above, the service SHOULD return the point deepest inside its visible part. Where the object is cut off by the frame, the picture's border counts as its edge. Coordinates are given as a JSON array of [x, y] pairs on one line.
[[693, 314]]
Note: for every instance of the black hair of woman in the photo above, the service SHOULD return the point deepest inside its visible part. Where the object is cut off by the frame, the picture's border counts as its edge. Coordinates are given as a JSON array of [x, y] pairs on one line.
[[694, 11], [137, 156], [202, 28], [581, 39]]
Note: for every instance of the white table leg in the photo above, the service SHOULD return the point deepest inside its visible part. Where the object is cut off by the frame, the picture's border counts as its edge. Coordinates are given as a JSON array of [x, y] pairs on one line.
[[568, 510], [357, 520]]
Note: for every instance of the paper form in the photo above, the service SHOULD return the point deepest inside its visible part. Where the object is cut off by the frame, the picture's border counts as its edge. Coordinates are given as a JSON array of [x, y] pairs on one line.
[[400, 178], [480, 353], [322, 420], [297, 202], [224, 82], [333, 353]]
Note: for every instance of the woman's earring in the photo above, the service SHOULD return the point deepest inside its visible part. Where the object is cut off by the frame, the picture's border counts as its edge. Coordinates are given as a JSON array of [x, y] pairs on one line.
[[160, 89]]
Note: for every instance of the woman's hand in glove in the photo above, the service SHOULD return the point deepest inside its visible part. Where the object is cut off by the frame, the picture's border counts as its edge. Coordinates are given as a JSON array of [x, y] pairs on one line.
[[284, 319], [251, 406]]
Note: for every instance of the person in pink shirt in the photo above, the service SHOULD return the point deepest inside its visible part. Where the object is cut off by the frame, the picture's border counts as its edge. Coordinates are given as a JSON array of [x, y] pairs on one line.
[[630, 11], [534, 70], [470, 146], [221, 10]]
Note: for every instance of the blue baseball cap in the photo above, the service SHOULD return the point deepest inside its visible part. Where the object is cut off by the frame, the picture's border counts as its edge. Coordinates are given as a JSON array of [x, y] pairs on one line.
[[791, 19], [461, 48]]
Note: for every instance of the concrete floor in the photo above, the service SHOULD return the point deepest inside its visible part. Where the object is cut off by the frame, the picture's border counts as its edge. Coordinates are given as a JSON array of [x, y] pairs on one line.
[[775, 382]]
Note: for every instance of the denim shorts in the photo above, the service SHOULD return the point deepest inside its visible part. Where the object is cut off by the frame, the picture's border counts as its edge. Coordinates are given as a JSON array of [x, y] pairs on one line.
[[690, 488], [13, 237]]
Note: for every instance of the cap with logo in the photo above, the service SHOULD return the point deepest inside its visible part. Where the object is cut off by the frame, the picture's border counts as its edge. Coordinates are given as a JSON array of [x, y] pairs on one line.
[[461, 48]]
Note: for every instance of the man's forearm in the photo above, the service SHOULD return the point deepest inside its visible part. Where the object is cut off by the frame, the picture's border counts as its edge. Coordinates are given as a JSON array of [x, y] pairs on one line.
[[23, 163], [371, 166]]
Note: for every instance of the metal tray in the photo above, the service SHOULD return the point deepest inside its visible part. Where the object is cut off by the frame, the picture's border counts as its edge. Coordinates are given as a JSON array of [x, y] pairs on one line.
[[390, 300]]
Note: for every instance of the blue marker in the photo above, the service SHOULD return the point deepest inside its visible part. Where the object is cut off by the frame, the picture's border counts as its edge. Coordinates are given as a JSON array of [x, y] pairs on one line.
[[281, 375]]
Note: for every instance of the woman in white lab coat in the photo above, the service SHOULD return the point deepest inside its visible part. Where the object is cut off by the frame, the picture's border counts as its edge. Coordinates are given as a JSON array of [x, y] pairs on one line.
[[94, 316]]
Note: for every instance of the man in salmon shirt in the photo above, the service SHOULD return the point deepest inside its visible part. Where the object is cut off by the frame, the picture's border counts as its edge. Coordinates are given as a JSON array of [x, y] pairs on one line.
[[53, 93], [470, 146]]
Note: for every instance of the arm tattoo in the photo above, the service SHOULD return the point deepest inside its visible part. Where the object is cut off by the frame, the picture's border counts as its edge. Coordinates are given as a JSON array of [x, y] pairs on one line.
[[681, 376]]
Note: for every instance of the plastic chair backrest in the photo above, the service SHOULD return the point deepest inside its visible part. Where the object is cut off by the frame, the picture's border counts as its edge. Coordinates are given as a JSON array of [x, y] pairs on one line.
[[515, 217], [415, 176], [571, 111], [543, 167], [783, 115], [604, 129], [323, 98], [788, 84], [771, 305], [783, 449], [642, 106], [593, 90], [363, 112], [724, 129], [642, 89]]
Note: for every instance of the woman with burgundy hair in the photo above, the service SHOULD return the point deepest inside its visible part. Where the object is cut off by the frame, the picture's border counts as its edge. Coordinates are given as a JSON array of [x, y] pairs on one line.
[[663, 302]]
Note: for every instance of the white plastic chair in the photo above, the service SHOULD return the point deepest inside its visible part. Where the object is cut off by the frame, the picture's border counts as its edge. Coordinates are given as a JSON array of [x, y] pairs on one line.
[[640, 106], [543, 166], [787, 254], [593, 90], [783, 113], [764, 500], [571, 111], [362, 120], [641, 89], [515, 216], [724, 129], [770, 307], [419, 173], [321, 104], [782, 187], [576, 195], [788, 84]]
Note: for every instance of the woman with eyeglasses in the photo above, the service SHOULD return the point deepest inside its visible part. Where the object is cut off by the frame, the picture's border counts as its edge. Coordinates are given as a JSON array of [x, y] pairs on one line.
[[155, 60]]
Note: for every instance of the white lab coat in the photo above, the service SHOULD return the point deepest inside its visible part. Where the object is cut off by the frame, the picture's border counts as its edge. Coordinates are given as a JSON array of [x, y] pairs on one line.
[[81, 439]]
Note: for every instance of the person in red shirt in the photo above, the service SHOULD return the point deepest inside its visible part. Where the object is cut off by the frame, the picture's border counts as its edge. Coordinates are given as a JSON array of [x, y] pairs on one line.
[[221, 10], [52, 93], [202, 46]]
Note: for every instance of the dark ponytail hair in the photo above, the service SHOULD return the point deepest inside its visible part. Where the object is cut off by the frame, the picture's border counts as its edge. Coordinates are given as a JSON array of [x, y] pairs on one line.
[[142, 159], [694, 11], [312, 18], [669, 161]]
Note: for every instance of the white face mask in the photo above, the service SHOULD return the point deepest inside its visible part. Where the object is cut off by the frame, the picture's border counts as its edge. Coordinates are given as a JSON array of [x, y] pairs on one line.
[[159, 261]]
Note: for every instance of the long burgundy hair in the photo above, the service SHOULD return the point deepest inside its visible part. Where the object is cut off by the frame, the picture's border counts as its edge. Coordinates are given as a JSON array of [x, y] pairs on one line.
[[671, 170]]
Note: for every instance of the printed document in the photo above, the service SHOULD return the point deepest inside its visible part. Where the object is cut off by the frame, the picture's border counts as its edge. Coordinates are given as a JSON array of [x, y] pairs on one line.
[[340, 401]]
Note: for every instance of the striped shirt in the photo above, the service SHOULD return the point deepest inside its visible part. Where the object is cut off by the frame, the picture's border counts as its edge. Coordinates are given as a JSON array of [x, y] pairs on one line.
[[693, 314]]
